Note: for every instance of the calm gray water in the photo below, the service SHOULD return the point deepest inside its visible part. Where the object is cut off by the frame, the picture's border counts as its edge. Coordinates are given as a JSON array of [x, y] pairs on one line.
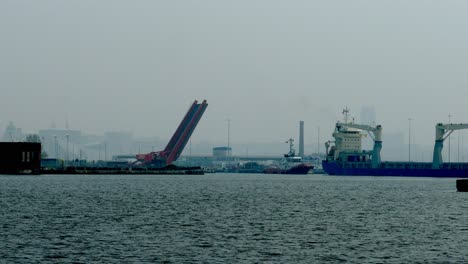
[[231, 218]]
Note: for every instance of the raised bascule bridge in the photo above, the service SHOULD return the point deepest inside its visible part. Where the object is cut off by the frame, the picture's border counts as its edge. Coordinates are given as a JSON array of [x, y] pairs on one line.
[[173, 149]]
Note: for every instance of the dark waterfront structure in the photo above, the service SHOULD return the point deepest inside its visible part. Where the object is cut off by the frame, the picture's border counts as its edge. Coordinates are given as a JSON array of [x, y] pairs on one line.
[[462, 185], [20, 157]]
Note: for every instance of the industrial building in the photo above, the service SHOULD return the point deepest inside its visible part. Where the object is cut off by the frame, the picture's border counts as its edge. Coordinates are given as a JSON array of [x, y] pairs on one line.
[[20, 157], [222, 152]]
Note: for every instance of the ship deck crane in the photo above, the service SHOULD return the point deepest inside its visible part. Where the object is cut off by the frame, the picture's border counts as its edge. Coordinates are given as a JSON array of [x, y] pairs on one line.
[[443, 131], [376, 134]]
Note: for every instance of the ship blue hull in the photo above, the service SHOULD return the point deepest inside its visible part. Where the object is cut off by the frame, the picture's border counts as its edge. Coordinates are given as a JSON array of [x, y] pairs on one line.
[[333, 168]]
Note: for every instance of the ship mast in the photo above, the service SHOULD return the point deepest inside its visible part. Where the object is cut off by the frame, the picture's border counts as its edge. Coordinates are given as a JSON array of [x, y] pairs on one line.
[[345, 113], [292, 152]]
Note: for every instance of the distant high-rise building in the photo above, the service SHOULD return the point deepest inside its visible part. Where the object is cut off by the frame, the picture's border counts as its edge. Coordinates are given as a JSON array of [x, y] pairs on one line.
[[119, 142], [395, 148], [12, 133], [368, 116], [60, 143]]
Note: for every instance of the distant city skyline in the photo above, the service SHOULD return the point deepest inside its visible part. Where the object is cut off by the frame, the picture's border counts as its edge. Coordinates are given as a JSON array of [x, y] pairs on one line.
[[108, 144]]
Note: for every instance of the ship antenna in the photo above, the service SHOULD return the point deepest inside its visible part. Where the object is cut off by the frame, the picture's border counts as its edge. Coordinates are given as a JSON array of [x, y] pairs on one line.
[[291, 153], [345, 113]]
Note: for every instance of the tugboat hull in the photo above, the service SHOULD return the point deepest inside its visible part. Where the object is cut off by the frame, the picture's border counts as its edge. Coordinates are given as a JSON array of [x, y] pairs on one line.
[[298, 169]]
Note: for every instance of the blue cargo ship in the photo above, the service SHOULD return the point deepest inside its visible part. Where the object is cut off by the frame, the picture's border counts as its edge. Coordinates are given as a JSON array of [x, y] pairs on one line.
[[346, 157]]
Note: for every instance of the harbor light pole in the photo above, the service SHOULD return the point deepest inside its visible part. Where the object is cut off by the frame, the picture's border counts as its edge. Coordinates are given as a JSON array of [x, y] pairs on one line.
[[450, 121], [318, 140], [463, 152], [409, 139], [55, 147], [68, 141], [458, 150], [229, 130]]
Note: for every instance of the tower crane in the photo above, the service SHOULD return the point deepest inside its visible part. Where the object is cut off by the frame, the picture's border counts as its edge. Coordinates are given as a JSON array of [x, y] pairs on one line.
[[442, 132], [375, 133]]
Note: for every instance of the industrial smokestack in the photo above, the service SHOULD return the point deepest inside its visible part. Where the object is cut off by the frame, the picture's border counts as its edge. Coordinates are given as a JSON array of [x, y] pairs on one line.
[[301, 139]]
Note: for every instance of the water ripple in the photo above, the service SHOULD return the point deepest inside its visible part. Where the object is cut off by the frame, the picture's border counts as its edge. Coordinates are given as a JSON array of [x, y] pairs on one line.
[[219, 218]]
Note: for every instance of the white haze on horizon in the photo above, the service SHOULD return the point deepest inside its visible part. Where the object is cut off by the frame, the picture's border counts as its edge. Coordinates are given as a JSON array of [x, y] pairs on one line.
[[138, 65]]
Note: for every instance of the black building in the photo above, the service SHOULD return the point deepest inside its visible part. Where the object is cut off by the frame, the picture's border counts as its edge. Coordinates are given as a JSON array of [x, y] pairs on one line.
[[20, 157]]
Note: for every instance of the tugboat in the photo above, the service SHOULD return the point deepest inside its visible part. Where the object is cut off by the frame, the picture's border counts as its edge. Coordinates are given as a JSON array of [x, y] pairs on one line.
[[291, 164]]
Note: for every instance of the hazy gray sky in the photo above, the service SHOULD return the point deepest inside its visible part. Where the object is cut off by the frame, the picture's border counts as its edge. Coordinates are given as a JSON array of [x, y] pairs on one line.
[[138, 65]]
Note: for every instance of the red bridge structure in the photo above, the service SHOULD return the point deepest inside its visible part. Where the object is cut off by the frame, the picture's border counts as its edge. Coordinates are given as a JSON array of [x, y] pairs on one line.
[[178, 141]]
